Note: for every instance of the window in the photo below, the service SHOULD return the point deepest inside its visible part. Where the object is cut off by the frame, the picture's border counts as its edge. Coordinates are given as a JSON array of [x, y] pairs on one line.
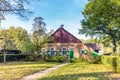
[[52, 51], [43, 51], [64, 51]]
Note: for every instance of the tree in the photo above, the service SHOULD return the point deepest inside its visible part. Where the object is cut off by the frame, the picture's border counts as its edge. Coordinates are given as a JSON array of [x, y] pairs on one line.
[[39, 24], [21, 37], [5, 39], [28, 48], [18, 7], [14, 37], [102, 19], [39, 36]]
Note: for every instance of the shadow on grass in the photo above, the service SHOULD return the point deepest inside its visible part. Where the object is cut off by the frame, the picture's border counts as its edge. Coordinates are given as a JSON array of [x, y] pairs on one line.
[[26, 63], [27, 67], [82, 76]]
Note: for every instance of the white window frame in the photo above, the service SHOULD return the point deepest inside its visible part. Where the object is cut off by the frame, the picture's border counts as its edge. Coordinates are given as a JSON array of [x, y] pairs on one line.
[[52, 48], [64, 50], [43, 50]]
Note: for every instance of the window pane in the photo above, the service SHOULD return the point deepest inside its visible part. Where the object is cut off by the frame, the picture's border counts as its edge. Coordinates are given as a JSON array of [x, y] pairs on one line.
[[51, 49], [64, 49], [43, 50]]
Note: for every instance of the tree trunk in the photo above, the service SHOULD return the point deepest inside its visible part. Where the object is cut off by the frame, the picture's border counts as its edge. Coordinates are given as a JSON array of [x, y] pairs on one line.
[[36, 53], [114, 43], [4, 55]]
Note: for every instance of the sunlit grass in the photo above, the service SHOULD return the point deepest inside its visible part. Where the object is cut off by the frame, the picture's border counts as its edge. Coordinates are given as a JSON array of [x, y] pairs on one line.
[[16, 70], [82, 71]]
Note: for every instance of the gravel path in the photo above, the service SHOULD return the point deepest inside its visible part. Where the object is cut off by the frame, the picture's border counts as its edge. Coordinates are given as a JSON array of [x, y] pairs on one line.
[[42, 73]]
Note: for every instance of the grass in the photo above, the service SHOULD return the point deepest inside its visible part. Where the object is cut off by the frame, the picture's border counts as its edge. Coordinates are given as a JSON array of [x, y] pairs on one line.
[[17, 70], [82, 71]]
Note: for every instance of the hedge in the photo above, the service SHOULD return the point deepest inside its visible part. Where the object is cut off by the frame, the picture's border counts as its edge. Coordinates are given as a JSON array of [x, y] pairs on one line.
[[111, 62], [118, 65], [12, 57]]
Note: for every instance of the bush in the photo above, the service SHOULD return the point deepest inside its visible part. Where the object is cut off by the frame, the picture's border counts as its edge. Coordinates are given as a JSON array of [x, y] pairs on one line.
[[77, 60], [118, 65], [97, 60], [57, 58], [30, 57], [62, 58], [54, 58], [109, 62]]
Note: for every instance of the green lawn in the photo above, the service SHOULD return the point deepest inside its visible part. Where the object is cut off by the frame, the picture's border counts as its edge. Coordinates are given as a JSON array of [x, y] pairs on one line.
[[82, 71], [16, 70]]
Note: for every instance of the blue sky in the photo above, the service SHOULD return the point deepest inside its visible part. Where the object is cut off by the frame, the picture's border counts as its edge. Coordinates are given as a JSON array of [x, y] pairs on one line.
[[55, 13]]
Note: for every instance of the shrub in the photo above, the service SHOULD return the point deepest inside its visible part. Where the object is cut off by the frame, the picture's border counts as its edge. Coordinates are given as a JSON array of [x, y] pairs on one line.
[[112, 62], [54, 57], [97, 60], [62, 58], [77, 60], [118, 65], [30, 58]]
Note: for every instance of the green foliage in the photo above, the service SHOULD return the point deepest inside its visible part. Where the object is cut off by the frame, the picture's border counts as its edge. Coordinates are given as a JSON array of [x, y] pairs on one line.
[[20, 37], [61, 58], [30, 58], [96, 60], [39, 36], [14, 38], [54, 58], [111, 62], [77, 60], [101, 19], [118, 65], [28, 47]]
